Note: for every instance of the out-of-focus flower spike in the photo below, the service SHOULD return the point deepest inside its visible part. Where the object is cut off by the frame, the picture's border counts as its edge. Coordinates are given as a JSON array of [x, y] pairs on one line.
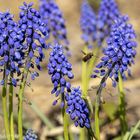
[[53, 17], [88, 24], [96, 27]]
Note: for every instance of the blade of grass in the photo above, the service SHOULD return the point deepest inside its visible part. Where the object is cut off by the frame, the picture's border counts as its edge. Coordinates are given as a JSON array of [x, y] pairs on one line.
[[134, 130], [84, 90], [43, 117], [122, 109]]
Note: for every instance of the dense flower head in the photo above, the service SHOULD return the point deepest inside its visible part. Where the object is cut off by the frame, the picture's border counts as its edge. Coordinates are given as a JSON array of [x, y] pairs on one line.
[[53, 17], [77, 108], [35, 35], [107, 13], [120, 51], [88, 23], [59, 68], [10, 46], [30, 135]]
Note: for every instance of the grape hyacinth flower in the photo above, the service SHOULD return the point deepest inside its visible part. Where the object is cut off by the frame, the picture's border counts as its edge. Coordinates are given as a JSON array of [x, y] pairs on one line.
[[53, 17], [10, 46], [35, 36], [88, 23], [120, 51], [30, 135], [96, 27], [59, 68], [107, 13], [77, 108]]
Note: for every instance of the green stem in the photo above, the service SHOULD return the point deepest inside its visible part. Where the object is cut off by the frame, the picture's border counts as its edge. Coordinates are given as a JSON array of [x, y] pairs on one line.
[[71, 135], [92, 64], [20, 104], [5, 111], [82, 134], [11, 116], [98, 101], [87, 69], [122, 110], [84, 90], [97, 125], [65, 122], [84, 75]]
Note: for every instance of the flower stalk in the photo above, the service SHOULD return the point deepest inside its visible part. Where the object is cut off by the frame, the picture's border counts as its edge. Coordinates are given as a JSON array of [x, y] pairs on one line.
[[4, 108], [65, 120], [98, 102], [84, 90], [84, 75], [122, 110], [20, 103], [97, 125], [11, 114]]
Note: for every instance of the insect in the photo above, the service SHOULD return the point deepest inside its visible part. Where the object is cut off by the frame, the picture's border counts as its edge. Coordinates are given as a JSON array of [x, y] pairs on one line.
[[87, 56]]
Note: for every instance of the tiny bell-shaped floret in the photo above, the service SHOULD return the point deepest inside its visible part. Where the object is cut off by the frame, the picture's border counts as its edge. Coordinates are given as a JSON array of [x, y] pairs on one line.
[[88, 23], [53, 17]]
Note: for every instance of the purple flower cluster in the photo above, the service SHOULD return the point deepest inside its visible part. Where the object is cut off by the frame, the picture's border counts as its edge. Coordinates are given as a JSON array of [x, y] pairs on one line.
[[107, 13], [53, 17], [120, 51], [35, 35], [77, 108], [88, 23], [59, 68], [10, 46], [30, 135], [96, 27]]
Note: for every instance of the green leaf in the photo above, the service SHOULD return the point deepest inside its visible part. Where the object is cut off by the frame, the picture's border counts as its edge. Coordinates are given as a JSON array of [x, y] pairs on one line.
[[133, 131]]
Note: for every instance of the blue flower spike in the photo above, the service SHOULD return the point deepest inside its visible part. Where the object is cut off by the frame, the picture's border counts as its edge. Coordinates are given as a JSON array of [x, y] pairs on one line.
[[77, 108], [120, 51], [10, 46], [59, 68], [35, 36]]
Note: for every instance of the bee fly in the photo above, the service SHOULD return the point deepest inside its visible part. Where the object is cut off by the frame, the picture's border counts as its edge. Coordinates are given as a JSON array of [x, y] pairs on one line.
[[87, 56]]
